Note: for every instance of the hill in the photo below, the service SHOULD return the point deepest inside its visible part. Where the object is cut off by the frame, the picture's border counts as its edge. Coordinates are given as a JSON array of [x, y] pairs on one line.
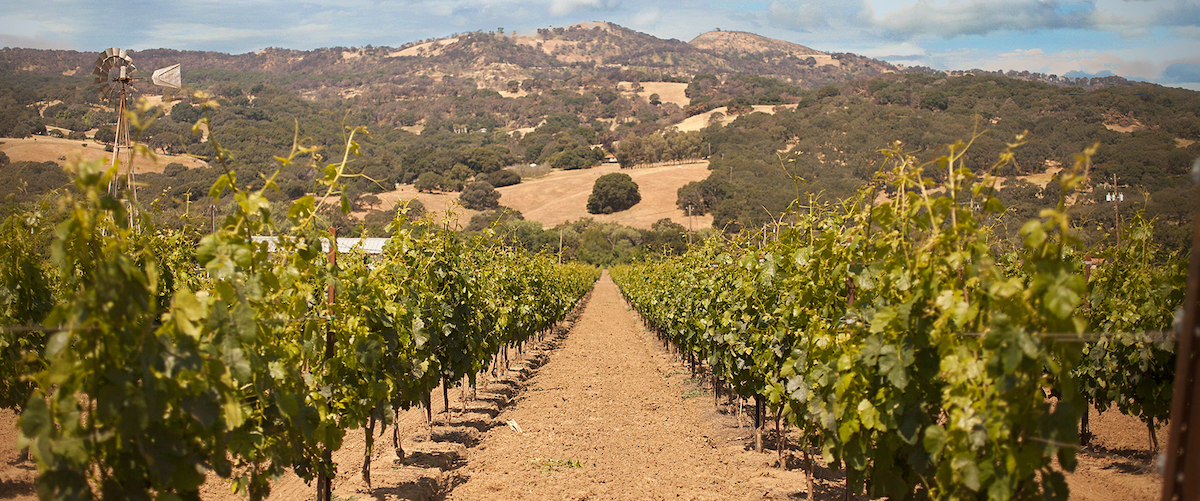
[[464, 106], [741, 42]]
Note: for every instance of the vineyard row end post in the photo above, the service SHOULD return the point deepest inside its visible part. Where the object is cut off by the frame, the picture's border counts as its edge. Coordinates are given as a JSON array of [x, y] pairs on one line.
[[1181, 480]]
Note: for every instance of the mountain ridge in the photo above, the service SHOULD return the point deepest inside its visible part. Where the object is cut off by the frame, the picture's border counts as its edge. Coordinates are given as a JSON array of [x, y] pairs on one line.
[[493, 60]]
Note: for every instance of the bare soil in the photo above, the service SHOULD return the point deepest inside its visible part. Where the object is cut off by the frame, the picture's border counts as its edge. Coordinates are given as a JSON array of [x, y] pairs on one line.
[[600, 409]]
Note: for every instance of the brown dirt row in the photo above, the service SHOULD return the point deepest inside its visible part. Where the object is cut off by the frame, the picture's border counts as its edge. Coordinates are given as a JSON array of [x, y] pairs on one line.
[[615, 415]]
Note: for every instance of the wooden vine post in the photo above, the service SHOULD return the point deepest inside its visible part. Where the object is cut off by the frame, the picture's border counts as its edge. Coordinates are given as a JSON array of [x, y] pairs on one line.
[[1181, 481], [325, 482]]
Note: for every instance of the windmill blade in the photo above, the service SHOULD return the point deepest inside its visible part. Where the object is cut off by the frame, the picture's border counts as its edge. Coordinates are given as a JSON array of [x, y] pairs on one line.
[[167, 77]]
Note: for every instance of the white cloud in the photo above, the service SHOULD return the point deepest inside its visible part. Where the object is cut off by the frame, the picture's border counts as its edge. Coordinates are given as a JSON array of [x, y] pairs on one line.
[[1060, 63], [1187, 32], [896, 52], [35, 41], [647, 18], [565, 7], [813, 15], [927, 18]]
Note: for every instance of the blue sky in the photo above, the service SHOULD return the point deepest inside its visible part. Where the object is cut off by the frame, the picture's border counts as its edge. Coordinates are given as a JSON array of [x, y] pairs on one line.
[[1152, 40]]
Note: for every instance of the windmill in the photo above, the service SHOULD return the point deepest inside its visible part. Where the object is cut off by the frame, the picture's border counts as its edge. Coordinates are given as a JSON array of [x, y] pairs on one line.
[[114, 80]]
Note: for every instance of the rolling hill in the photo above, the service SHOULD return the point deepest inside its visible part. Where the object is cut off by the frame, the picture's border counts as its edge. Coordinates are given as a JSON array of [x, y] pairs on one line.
[[470, 103]]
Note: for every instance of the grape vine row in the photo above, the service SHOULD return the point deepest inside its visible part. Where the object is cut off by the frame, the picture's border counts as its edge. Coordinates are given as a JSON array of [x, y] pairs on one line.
[[910, 346], [167, 354]]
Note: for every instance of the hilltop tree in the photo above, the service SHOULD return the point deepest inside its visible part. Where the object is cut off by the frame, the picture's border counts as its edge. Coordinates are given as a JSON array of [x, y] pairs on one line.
[[613, 193]]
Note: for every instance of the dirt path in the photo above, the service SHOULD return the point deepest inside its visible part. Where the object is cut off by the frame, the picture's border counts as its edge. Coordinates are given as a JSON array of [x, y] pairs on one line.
[[613, 416]]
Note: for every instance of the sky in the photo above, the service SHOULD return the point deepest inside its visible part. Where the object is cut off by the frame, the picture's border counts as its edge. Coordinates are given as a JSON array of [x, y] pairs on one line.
[[1151, 40]]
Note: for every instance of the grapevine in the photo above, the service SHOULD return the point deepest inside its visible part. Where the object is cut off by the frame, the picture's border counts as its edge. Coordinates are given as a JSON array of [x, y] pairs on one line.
[[893, 334], [154, 374]]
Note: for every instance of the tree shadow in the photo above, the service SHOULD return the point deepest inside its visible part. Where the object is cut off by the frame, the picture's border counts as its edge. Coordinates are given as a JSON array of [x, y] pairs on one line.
[[10, 489], [441, 460], [432, 488], [468, 437], [480, 424]]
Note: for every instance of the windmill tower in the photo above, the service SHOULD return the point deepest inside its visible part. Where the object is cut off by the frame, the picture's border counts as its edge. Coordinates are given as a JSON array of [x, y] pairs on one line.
[[114, 81]]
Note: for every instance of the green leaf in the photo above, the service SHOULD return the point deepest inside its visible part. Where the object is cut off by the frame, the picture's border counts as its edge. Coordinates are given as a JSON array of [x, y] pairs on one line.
[[935, 440], [235, 416], [967, 471], [219, 186], [883, 317]]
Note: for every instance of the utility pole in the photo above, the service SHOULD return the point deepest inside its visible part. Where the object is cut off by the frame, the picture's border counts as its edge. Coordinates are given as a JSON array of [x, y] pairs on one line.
[[1116, 196], [689, 225]]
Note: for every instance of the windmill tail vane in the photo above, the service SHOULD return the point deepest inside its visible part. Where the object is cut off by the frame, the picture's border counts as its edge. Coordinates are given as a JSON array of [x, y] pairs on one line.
[[167, 77]]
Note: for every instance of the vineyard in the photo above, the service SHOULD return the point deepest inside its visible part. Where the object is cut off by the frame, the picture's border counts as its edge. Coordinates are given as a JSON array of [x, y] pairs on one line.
[[142, 359], [911, 347]]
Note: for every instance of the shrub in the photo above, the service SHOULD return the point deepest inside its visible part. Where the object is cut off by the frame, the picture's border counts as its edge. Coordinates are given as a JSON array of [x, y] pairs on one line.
[[174, 169], [500, 178], [480, 196], [828, 91], [429, 181], [613, 193], [105, 134], [486, 219]]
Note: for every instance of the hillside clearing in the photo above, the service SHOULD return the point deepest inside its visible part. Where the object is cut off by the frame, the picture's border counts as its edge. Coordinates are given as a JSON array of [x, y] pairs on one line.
[[668, 92], [561, 196], [43, 149], [698, 122]]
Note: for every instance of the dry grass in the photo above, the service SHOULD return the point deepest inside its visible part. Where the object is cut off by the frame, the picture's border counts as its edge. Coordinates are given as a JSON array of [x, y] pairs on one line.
[[668, 92], [561, 196], [426, 49], [44, 149], [697, 122], [530, 171]]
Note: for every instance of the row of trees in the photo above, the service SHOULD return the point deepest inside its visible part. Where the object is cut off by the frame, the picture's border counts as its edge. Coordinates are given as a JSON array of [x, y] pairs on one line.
[[672, 146]]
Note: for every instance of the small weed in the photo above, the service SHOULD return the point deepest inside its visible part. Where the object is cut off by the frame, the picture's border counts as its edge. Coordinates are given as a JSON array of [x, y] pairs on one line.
[[552, 465], [675, 373], [693, 393]]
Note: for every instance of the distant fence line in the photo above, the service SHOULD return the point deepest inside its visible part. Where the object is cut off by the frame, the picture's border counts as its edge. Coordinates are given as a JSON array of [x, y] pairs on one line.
[[667, 163]]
